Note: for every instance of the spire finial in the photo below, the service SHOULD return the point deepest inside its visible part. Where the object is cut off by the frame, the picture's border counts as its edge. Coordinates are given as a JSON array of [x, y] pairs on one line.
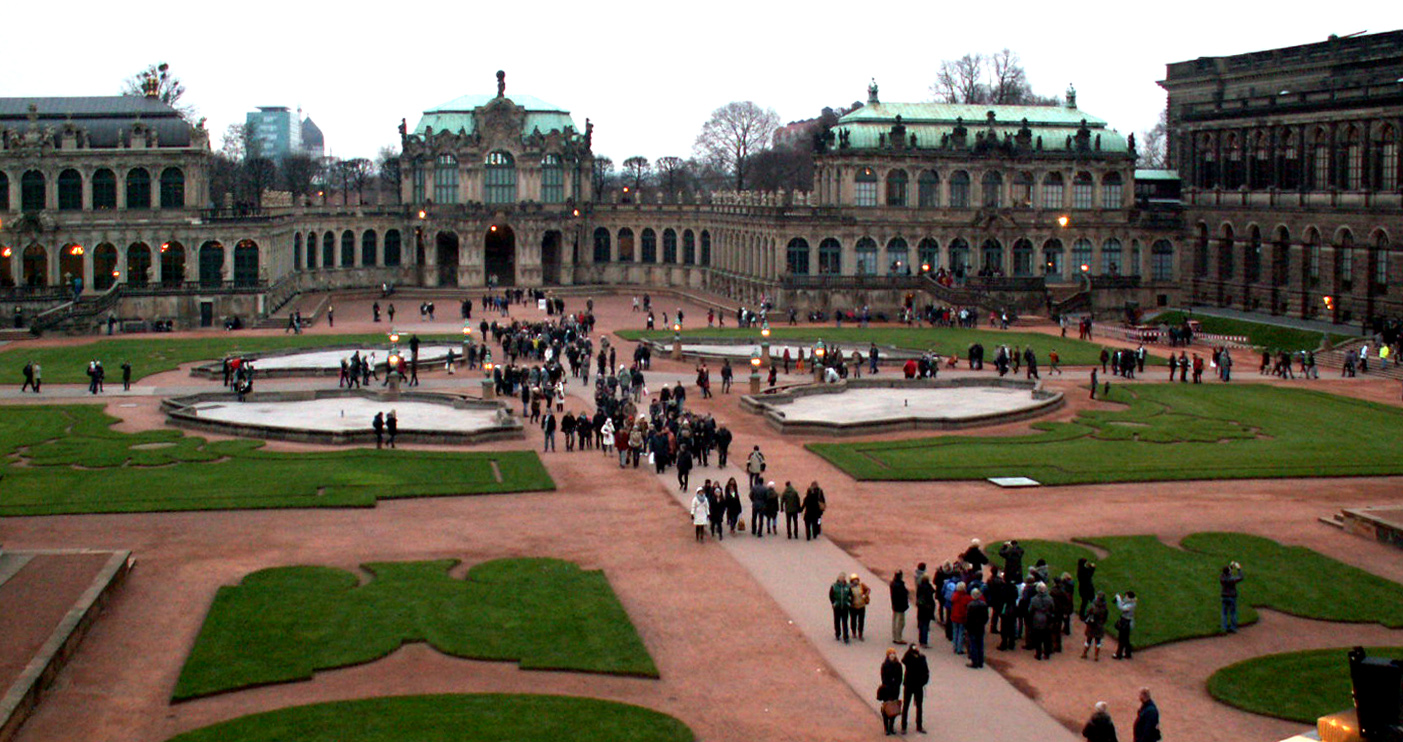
[[872, 92]]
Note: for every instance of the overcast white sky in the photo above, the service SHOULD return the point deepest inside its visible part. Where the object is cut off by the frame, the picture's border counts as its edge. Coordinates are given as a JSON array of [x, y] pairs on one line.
[[647, 73]]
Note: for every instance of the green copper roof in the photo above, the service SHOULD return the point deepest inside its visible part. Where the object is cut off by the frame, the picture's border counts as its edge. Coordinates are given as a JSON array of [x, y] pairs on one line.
[[457, 115], [1148, 174], [932, 122], [912, 113]]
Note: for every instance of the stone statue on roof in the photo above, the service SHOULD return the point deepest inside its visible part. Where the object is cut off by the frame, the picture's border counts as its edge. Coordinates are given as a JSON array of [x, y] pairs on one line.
[[501, 84], [872, 92]]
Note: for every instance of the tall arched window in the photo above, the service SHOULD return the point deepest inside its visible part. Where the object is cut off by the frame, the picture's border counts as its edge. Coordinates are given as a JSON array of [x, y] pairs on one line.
[[959, 190], [1289, 160], [1162, 261], [959, 257], [865, 187], [1259, 171], [1353, 161], [1344, 260], [1380, 259], [416, 180], [5, 196], [297, 251], [348, 249], [1053, 266], [393, 256], [70, 190], [1023, 258], [689, 247], [104, 189], [1022, 190], [172, 188], [1253, 256], [33, 191], [1112, 190], [1320, 161], [650, 246], [1111, 258], [311, 250], [896, 187], [1083, 188], [1387, 160], [138, 188], [104, 266], [1226, 257], [1312, 268], [138, 264], [173, 263], [1208, 162], [898, 257], [830, 257], [992, 188], [705, 247], [929, 253], [991, 257], [1233, 169], [1052, 191], [328, 250], [928, 189], [211, 265], [866, 257], [1081, 255], [246, 263], [601, 245], [446, 179], [552, 180], [367, 247], [670, 246], [500, 179], [796, 259]]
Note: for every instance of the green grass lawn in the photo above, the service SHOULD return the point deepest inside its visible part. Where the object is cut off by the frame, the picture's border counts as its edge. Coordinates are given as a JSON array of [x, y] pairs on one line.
[[284, 624], [1260, 334], [1178, 588], [451, 718], [945, 340], [67, 459], [1164, 432], [1296, 686], [153, 354]]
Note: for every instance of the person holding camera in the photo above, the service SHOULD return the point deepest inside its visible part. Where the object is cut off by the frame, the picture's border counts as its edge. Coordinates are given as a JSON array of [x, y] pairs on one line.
[[1232, 574]]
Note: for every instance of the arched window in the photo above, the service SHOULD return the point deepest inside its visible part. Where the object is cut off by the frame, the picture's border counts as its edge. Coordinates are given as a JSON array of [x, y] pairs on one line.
[[896, 187], [1320, 161], [1312, 257], [1288, 161], [959, 190], [898, 257], [1201, 252], [5, 197], [104, 189], [1052, 191], [416, 179], [35, 263], [1259, 170], [297, 251], [1380, 258], [928, 189], [33, 192], [991, 258], [1162, 261], [865, 187], [1023, 258], [173, 263], [211, 265], [104, 266], [1281, 258], [1083, 188], [1081, 255], [1111, 258], [670, 246], [1132, 267], [367, 247], [70, 191], [348, 249], [392, 249], [1022, 190], [311, 250], [1253, 256], [500, 180], [866, 257], [552, 180], [1232, 170], [246, 263], [929, 252], [446, 179], [138, 188], [992, 188], [172, 188], [689, 248], [138, 264], [796, 261], [1208, 162], [830, 257], [1112, 190], [601, 245], [328, 250], [959, 257], [1225, 254], [625, 245], [650, 246], [1387, 161], [1344, 260], [705, 247], [1354, 160], [1053, 266]]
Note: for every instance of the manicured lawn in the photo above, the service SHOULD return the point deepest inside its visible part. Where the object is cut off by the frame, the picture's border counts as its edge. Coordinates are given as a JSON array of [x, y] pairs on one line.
[[451, 718], [153, 354], [945, 340], [1296, 686], [284, 624], [1178, 588], [67, 459], [1260, 334], [1165, 432]]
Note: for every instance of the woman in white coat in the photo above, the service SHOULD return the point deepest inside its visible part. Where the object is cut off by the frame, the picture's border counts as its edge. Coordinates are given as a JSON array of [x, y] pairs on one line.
[[701, 510], [607, 431]]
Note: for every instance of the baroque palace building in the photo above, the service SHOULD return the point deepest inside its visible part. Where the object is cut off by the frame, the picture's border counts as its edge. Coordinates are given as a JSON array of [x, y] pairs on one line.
[[1290, 204]]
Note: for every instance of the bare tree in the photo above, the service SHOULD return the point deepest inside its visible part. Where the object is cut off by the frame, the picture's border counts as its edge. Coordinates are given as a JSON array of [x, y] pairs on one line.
[[672, 175], [733, 134], [1007, 80], [387, 162], [358, 173], [169, 89], [995, 79], [1153, 149], [298, 170], [961, 80], [636, 169], [602, 176], [235, 142]]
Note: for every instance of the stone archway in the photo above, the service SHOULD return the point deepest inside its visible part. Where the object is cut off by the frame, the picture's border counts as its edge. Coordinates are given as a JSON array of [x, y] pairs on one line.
[[499, 256], [550, 258], [446, 253]]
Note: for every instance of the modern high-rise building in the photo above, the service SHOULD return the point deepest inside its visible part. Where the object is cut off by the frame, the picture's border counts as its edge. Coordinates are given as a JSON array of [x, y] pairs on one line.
[[275, 131]]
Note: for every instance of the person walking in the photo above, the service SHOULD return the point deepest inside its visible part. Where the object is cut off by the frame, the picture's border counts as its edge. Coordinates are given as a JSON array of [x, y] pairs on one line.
[[889, 692], [1099, 728], [857, 611], [925, 609], [701, 512], [548, 428], [126, 376], [378, 424], [1096, 617], [1086, 587], [391, 427], [1232, 574], [790, 503], [900, 603], [815, 503], [840, 598], [1146, 727], [913, 687], [755, 466]]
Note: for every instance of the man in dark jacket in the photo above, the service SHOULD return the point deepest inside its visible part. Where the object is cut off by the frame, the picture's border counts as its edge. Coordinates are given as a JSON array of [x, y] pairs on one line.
[[974, 555], [1146, 719], [1012, 555], [900, 603], [914, 686], [976, 618], [1232, 574]]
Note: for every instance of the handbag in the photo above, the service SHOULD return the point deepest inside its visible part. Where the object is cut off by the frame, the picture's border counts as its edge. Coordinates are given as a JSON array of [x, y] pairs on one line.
[[891, 709]]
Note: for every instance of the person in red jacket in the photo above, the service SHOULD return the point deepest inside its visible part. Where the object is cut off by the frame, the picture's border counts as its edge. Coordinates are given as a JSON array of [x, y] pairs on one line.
[[959, 611]]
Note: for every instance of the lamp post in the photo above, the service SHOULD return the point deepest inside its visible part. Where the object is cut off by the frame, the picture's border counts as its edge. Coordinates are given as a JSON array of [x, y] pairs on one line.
[[489, 386], [818, 364], [676, 341], [467, 342], [392, 362], [755, 373], [765, 344]]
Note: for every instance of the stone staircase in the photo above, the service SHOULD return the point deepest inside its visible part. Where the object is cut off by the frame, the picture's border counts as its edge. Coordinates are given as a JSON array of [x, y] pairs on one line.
[[1335, 359]]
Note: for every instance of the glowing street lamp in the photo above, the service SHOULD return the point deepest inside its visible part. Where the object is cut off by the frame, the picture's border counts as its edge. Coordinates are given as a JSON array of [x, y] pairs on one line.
[[765, 343], [677, 341], [755, 372], [818, 364], [1063, 221]]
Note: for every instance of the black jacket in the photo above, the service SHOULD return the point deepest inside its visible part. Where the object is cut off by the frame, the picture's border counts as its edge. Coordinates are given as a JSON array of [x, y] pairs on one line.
[[900, 595]]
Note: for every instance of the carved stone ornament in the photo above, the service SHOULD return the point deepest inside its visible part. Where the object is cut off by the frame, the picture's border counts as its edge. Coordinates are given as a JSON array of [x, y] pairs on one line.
[[500, 122]]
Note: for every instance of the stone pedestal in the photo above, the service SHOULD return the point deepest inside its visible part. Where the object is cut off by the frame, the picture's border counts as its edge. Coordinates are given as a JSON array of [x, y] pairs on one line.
[[489, 389], [393, 393], [754, 382], [677, 350]]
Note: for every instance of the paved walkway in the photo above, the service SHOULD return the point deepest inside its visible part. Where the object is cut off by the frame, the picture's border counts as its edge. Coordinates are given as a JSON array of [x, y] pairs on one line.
[[1278, 320]]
